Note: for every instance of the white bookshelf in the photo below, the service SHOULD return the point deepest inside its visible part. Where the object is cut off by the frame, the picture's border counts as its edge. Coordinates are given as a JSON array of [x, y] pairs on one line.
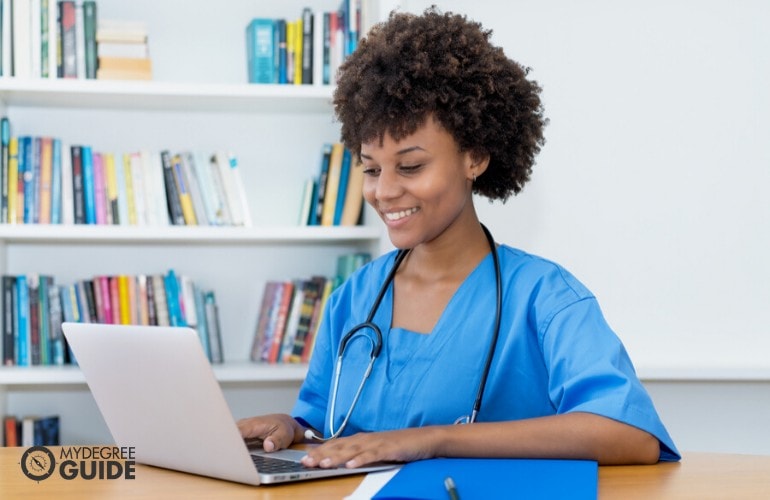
[[200, 102]]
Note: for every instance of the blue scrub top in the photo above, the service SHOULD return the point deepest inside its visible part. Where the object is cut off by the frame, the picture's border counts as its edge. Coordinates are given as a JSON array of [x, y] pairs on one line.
[[555, 354]]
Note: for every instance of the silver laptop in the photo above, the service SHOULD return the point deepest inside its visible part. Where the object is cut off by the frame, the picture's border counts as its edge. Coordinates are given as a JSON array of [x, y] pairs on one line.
[[157, 393]]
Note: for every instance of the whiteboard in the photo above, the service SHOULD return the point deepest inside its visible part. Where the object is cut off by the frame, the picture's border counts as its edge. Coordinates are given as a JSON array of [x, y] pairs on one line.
[[652, 186]]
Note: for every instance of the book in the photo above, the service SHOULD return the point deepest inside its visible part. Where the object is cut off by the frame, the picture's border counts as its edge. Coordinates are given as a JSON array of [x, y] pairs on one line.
[[315, 321], [56, 181], [89, 185], [100, 189], [111, 188], [342, 187], [292, 322], [306, 208], [172, 192], [201, 172], [80, 40], [67, 185], [46, 431], [6, 33], [353, 206], [55, 318], [49, 38], [9, 308], [22, 322], [43, 319], [12, 431], [33, 198], [320, 193], [201, 322], [121, 31], [68, 38], [89, 38], [193, 186], [128, 181], [22, 39], [33, 284], [307, 45], [12, 181], [138, 187], [78, 195], [223, 210], [332, 185], [124, 299], [278, 321], [260, 54], [311, 296], [161, 303], [268, 297], [171, 285], [214, 328], [5, 138], [230, 178], [185, 199], [27, 155]]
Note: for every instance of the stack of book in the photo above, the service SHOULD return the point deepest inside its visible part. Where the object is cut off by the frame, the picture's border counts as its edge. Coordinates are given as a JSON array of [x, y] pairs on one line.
[[45, 181], [34, 307], [334, 197], [291, 310], [123, 51], [65, 39], [31, 431], [306, 50]]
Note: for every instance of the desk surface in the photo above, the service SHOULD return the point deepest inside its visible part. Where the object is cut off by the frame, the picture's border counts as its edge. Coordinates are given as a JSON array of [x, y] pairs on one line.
[[699, 475]]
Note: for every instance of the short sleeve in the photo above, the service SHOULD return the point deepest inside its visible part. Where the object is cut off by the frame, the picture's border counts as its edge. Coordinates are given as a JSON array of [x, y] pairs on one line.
[[590, 371]]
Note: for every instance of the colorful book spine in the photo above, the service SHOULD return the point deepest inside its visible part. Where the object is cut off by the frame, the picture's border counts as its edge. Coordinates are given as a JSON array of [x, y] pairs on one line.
[[5, 138], [46, 179], [56, 181], [22, 315], [100, 191], [77, 185], [13, 180], [89, 184]]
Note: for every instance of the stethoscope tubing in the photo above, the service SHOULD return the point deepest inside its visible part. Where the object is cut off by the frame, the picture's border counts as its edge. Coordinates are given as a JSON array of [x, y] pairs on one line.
[[377, 344]]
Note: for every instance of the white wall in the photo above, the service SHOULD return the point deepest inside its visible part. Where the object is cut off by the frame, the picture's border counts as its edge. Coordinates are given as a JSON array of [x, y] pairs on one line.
[[652, 189]]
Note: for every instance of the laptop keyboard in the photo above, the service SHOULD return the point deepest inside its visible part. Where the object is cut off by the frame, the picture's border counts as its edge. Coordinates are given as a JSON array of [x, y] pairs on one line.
[[268, 464]]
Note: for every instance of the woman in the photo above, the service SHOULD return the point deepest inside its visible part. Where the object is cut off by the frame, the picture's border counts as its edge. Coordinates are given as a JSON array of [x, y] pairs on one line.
[[437, 113]]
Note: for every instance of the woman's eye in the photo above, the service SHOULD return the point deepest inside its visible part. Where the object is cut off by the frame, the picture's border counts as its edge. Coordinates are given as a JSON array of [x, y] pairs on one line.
[[371, 171], [410, 168]]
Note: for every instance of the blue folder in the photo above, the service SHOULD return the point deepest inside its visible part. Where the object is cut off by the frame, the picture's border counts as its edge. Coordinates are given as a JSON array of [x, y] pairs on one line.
[[486, 478]]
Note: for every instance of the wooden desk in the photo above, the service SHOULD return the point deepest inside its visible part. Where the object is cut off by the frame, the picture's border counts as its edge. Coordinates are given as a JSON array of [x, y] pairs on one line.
[[699, 475]]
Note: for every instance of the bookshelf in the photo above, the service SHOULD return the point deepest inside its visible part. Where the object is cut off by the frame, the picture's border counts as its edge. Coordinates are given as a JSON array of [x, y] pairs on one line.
[[199, 102]]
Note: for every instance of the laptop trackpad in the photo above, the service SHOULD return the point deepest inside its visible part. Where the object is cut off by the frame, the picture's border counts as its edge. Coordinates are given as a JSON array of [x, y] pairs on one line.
[[291, 455]]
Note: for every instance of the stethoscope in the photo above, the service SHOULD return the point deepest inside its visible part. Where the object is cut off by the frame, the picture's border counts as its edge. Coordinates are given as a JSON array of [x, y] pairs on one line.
[[376, 344]]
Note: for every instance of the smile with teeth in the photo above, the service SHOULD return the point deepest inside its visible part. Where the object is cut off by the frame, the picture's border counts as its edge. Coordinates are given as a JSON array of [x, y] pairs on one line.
[[393, 216]]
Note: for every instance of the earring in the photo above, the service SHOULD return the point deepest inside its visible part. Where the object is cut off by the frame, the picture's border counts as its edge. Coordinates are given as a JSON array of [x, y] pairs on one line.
[[474, 178]]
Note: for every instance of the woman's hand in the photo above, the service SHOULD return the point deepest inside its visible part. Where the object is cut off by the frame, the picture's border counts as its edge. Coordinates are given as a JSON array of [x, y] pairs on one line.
[[366, 448], [277, 431]]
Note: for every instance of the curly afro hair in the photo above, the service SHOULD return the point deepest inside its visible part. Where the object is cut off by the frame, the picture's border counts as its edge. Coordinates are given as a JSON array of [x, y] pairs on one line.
[[441, 64]]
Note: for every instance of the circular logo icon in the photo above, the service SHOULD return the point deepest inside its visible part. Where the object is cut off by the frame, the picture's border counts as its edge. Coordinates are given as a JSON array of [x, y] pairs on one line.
[[38, 463]]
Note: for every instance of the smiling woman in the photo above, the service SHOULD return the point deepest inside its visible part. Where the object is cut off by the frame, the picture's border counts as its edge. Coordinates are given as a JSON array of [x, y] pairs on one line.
[[437, 114]]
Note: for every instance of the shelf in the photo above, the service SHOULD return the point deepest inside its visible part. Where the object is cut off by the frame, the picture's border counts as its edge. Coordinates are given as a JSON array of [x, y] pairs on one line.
[[164, 96], [57, 234], [228, 373]]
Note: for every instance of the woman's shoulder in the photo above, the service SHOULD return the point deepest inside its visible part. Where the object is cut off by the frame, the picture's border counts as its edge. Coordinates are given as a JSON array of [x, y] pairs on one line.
[[539, 273]]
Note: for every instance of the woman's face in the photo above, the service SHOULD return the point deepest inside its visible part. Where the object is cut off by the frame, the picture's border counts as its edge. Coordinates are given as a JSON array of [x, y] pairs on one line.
[[419, 185]]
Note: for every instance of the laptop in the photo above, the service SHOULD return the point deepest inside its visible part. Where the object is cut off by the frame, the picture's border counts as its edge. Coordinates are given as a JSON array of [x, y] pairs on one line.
[[158, 394]]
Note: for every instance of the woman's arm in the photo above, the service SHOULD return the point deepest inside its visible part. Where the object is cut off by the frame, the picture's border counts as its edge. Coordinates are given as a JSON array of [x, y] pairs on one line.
[[568, 436]]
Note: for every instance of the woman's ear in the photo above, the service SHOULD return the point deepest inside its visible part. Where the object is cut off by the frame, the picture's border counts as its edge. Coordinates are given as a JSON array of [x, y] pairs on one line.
[[478, 162]]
